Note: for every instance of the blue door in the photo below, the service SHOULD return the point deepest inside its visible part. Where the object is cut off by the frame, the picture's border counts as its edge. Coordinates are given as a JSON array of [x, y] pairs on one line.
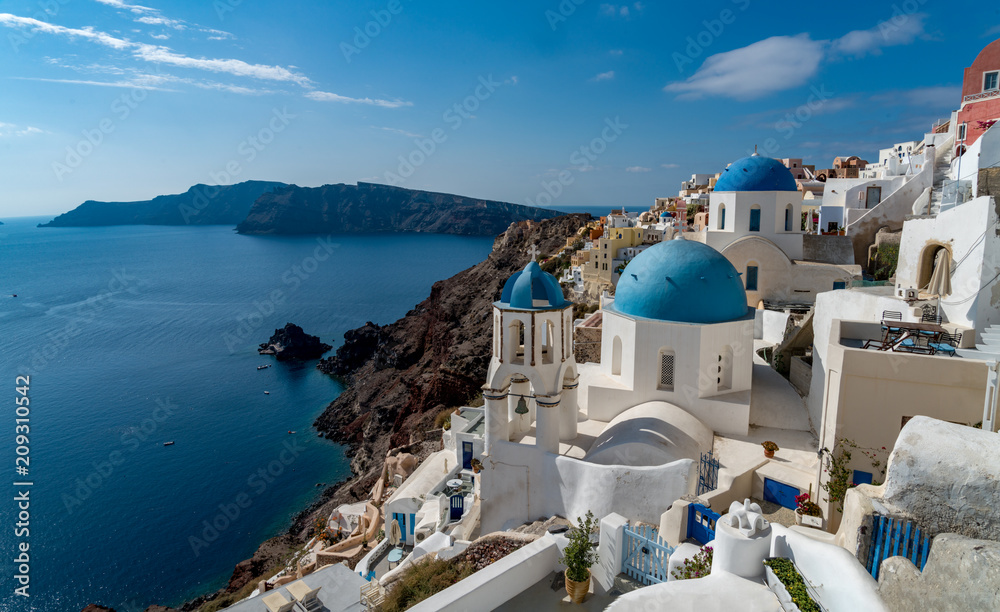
[[754, 219], [467, 455], [701, 523], [780, 493], [839, 285], [457, 506]]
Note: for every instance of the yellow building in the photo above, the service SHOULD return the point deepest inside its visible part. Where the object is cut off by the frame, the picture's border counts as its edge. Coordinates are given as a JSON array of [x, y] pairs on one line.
[[601, 267]]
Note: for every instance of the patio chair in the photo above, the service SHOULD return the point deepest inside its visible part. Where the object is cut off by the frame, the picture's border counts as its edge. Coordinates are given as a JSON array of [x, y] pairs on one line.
[[276, 602], [307, 597], [947, 344]]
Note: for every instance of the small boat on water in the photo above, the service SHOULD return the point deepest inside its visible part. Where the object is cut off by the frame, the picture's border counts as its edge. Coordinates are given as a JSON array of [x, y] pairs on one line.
[[171, 443], [267, 393], [264, 367], [290, 431]]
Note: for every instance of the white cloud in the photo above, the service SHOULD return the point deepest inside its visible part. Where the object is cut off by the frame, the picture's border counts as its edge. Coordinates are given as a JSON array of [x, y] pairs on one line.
[[616, 52], [398, 131], [160, 36], [786, 62], [932, 98], [151, 16], [622, 10], [773, 64], [993, 31], [160, 54], [637, 169], [324, 96], [891, 33], [670, 166], [604, 76], [163, 21], [135, 8], [10, 129]]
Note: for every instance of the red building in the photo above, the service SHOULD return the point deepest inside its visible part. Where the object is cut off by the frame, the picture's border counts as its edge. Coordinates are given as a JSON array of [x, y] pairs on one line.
[[980, 93]]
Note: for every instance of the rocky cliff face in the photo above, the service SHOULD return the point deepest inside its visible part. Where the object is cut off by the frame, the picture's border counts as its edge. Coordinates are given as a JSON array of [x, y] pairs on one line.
[[200, 205], [367, 207], [399, 375]]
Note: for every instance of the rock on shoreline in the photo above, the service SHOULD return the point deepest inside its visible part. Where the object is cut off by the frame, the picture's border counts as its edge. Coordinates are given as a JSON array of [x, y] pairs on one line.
[[291, 343]]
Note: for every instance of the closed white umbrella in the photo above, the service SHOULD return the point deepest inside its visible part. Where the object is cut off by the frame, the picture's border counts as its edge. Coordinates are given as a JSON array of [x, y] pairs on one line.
[[395, 535], [940, 283]]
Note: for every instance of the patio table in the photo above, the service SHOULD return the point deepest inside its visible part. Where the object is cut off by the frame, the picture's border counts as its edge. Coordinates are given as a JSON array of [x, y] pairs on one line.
[[395, 556]]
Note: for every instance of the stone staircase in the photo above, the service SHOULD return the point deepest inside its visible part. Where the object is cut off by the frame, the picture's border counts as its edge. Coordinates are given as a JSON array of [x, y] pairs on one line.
[[941, 170], [988, 349]]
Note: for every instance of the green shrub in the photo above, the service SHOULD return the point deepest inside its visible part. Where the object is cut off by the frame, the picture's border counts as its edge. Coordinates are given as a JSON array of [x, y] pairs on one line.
[[785, 571], [423, 579], [579, 554]]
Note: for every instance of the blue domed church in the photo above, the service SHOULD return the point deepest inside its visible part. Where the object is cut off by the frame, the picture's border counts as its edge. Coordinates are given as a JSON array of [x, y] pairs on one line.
[[622, 435]]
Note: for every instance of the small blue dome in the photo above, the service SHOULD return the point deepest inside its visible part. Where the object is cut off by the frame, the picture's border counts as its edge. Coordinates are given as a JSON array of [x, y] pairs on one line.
[[682, 281], [756, 173], [532, 289]]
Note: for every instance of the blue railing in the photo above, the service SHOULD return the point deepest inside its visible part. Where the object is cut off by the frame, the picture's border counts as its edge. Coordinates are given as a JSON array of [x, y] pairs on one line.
[[896, 537]]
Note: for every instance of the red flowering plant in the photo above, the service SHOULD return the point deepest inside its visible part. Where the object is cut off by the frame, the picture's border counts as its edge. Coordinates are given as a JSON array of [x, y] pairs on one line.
[[697, 566], [985, 125], [805, 507], [836, 465]]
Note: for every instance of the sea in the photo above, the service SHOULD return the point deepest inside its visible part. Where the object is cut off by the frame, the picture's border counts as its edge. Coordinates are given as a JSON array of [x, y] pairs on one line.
[[132, 337]]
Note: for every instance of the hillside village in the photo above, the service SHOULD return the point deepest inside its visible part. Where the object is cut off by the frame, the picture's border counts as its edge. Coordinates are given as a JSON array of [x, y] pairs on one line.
[[783, 396]]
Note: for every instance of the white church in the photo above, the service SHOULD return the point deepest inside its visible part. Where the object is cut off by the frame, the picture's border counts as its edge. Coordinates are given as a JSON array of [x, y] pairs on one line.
[[623, 435]]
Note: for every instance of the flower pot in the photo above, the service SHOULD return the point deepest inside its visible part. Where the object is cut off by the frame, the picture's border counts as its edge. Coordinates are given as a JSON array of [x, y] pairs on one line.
[[769, 454], [809, 521], [578, 590]]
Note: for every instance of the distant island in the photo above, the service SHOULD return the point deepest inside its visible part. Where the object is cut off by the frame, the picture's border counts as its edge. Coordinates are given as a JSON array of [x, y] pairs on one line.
[[370, 207], [200, 205], [264, 207]]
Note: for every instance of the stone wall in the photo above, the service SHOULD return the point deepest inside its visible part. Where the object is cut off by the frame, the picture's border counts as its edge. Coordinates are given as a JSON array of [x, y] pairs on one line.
[[828, 249], [989, 182], [961, 574], [587, 345]]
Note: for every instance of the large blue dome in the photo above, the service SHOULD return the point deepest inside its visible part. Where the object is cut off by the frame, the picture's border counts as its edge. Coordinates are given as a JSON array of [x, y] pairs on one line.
[[532, 289], [682, 281], [756, 173]]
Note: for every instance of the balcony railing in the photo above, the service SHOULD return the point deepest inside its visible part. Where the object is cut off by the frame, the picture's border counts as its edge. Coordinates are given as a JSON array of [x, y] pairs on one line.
[[994, 93]]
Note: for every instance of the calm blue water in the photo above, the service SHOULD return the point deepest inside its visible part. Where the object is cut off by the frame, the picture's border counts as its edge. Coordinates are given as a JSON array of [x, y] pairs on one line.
[[134, 336]]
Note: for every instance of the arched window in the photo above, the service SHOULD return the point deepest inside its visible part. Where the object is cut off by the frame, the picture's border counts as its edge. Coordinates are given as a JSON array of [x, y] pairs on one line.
[[725, 377], [516, 343], [722, 216], [616, 356], [755, 218], [548, 342], [666, 378], [788, 218]]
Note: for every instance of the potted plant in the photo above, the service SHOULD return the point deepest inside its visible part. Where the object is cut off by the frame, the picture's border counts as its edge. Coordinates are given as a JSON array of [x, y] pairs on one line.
[[578, 556], [808, 512], [769, 448], [476, 465]]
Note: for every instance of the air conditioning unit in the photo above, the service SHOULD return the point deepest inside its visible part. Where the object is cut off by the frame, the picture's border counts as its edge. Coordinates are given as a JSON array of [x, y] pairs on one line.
[[909, 294]]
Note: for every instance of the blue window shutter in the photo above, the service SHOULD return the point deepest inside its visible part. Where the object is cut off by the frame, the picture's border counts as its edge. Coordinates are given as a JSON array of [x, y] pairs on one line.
[[862, 477], [751, 278], [755, 220]]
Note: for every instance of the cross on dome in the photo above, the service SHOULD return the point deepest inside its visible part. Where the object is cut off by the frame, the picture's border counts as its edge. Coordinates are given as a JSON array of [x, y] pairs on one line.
[[533, 252]]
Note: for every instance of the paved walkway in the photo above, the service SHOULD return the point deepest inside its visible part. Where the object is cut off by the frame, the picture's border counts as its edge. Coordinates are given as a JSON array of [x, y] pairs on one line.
[[550, 594]]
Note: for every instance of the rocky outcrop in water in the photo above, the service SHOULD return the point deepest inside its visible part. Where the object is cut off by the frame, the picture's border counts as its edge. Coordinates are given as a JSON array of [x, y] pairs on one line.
[[200, 205], [292, 344], [368, 207]]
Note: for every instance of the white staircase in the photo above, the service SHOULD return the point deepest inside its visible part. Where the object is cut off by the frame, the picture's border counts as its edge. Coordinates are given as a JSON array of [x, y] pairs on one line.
[[989, 348], [941, 170]]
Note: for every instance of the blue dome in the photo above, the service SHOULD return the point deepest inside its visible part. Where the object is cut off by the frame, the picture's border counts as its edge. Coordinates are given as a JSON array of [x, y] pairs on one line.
[[532, 289], [756, 173], [682, 281]]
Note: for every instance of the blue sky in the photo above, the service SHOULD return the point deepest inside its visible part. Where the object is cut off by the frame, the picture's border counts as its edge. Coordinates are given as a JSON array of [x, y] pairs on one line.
[[114, 100]]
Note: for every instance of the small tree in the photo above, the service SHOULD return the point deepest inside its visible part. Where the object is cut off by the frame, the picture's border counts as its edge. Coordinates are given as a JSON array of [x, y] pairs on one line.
[[579, 554], [836, 464]]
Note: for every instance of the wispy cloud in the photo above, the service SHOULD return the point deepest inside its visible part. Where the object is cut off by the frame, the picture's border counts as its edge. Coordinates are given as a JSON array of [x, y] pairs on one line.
[[129, 83], [325, 96], [933, 98], [10, 129], [637, 169], [622, 10], [670, 166], [604, 76], [151, 16], [616, 52], [780, 63], [158, 53], [398, 131]]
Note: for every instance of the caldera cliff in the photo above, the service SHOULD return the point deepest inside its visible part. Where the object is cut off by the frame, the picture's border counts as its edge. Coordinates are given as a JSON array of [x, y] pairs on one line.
[[368, 207]]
